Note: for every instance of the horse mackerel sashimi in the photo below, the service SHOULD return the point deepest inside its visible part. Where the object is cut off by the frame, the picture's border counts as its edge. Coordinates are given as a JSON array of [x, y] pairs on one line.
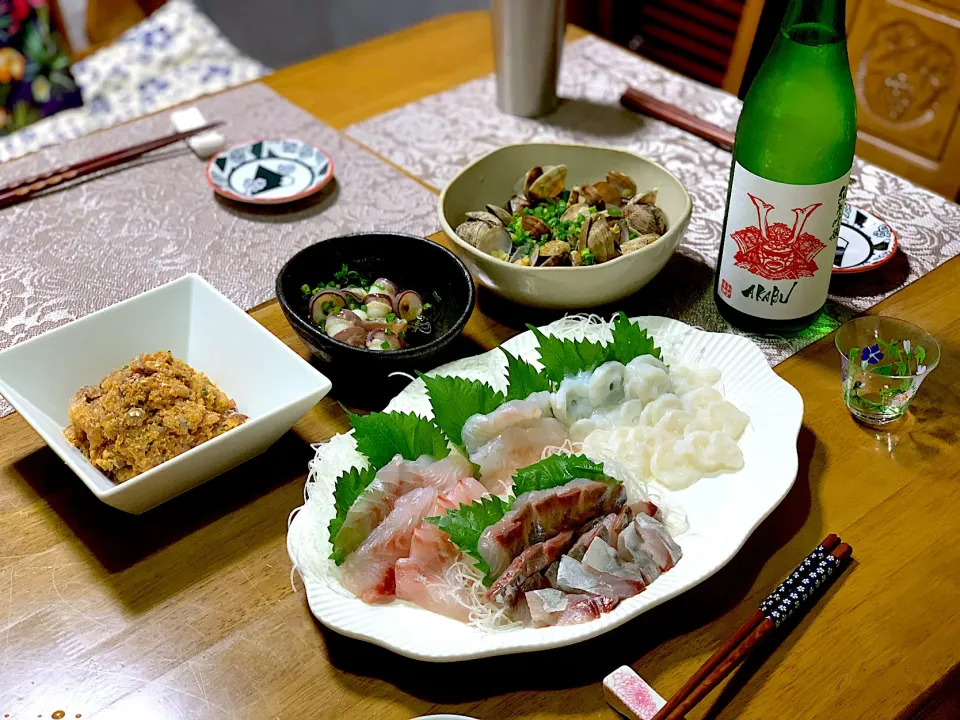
[[539, 515], [392, 481]]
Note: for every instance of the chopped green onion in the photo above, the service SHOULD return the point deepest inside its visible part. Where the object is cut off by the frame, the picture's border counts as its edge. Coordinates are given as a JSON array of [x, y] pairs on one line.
[[436, 296], [385, 345], [391, 318]]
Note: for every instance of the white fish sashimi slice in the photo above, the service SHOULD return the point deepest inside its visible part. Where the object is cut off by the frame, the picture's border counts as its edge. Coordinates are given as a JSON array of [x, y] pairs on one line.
[[420, 577], [369, 571], [393, 480], [517, 446], [479, 430], [654, 535]]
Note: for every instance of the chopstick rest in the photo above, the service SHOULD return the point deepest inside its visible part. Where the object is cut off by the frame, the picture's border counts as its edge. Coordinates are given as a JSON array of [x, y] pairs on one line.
[[630, 695], [203, 145]]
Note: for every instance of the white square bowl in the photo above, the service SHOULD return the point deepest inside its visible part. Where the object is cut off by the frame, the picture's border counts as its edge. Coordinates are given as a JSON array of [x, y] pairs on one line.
[[272, 385]]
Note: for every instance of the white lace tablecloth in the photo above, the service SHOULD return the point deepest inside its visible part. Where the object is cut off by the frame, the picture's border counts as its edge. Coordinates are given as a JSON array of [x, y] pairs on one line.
[[100, 241], [435, 137]]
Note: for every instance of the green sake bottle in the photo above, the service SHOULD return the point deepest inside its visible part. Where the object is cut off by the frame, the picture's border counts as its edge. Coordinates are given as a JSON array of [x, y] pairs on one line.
[[788, 181]]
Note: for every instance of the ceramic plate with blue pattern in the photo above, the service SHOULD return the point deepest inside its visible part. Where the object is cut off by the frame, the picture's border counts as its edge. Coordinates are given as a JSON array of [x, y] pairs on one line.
[[269, 172], [866, 241]]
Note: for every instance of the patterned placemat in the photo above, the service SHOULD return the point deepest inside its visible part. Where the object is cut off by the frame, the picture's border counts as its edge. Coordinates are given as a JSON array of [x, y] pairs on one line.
[[88, 246], [435, 137]]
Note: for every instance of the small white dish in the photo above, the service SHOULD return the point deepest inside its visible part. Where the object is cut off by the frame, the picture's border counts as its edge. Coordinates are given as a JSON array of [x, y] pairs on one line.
[[269, 172], [270, 383], [491, 179]]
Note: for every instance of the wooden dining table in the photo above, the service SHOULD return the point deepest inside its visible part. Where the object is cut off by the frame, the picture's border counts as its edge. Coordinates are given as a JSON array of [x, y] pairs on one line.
[[190, 610]]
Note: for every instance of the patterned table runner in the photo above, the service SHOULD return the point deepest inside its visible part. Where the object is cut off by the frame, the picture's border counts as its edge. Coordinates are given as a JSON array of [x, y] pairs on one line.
[[86, 247], [435, 137]]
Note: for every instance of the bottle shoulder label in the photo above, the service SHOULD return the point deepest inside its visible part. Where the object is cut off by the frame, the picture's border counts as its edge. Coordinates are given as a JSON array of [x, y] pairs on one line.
[[779, 243]]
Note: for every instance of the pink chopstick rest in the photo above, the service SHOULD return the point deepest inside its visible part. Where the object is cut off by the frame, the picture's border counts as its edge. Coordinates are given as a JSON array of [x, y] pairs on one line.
[[630, 696]]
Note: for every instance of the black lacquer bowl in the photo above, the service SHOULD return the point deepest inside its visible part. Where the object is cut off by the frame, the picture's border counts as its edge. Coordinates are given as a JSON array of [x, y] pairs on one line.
[[413, 263]]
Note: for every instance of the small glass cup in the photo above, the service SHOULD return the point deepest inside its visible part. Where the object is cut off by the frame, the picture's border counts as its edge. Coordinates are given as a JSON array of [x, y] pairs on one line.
[[883, 361]]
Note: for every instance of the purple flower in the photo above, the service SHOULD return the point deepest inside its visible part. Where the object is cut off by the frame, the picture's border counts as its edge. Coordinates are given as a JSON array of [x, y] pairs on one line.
[[871, 354]]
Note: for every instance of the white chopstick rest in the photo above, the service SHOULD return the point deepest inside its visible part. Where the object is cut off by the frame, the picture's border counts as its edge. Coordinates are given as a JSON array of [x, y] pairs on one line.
[[630, 695], [203, 145]]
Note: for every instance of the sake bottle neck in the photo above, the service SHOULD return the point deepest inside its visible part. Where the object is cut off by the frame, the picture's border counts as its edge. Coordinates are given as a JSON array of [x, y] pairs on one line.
[[815, 22]]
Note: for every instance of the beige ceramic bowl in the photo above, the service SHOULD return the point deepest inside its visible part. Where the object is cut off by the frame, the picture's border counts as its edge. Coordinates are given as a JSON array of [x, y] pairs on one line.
[[491, 179]]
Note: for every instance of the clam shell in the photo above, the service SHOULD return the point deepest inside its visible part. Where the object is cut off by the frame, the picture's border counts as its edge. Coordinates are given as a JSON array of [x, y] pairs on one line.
[[518, 202], [549, 184], [485, 217], [470, 231], [523, 185], [645, 219], [624, 183], [535, 226], [601, 241], [502, 215], [592, 197], [641, 241], [609, 192], [495, 239], [647, 198], [573, 210]]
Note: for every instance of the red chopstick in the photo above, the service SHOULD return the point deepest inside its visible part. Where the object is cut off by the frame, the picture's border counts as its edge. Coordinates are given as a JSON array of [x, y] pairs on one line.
[[780, 604], [24, 189], [641, 102]]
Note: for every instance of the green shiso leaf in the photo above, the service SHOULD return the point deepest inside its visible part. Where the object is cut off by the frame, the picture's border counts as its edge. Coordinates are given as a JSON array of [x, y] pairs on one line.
[[380, 436], [350, 485], [523, 379], [455, 399]]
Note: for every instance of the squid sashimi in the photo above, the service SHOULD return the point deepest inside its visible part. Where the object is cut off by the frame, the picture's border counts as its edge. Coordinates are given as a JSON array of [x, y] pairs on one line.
[[517, 446], [369, 571], [393, 480], [539, 515], [478, 430], [420, 577]]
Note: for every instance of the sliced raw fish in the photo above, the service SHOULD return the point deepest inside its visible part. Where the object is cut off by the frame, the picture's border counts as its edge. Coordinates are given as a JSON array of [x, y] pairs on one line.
[[419, 577], [550, 574], [479, 430], [369, 571], [586, 534], [600, 556], [632, 549], [532, 560], [517, 446], [539, 515], [393, 480], [575, 577], [650, 528], [553, 607]]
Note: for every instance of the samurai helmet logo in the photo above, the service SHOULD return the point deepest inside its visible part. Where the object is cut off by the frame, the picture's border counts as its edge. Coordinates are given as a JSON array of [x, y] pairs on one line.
[[777, 251]]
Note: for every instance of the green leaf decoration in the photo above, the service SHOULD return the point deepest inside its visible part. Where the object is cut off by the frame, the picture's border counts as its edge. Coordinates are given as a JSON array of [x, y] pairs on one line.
[[854, 355], [557, 470], [630, 340], [561, 358], [350, 485], [465, 525], [455, 399], [885, 370], [523, 379], [380, 436], [920, 354]]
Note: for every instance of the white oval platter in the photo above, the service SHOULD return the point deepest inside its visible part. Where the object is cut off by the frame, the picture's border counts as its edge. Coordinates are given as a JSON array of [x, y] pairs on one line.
[[721, 511]]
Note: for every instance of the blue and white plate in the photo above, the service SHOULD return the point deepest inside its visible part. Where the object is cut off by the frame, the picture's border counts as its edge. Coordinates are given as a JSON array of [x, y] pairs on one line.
[[866, 241], [269, 172]]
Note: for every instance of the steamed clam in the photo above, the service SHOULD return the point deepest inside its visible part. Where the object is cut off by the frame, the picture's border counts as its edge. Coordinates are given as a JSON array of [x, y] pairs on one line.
[[544, 225]]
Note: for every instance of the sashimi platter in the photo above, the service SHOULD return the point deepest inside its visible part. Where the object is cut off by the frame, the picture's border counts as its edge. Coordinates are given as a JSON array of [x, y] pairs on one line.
[[547, 491]]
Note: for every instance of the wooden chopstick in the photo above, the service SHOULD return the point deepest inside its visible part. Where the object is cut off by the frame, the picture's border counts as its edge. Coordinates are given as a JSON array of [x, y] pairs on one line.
[[24, 189], [780, 604], [641, 102]]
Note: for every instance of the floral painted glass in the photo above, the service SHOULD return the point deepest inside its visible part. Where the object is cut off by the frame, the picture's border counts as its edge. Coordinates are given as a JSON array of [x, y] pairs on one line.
[[883, 361]]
